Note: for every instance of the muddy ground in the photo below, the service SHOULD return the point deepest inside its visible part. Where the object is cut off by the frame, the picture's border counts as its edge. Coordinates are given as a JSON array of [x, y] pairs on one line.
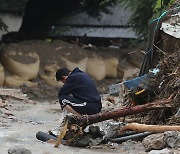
[[20, 120], [19, 130]]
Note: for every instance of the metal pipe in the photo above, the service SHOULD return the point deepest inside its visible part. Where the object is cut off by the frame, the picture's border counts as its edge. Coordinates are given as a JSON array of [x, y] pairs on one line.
[[134, 136], [44, 136]]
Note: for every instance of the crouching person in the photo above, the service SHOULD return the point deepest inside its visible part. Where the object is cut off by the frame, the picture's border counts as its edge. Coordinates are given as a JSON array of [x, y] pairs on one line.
[[78, 95]]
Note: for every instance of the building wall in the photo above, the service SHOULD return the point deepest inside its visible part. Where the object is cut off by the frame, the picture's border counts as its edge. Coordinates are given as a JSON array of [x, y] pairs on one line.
[[12, 21]]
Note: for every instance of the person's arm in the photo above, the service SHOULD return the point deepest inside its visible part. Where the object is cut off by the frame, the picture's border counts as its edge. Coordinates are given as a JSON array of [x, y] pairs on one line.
[[67, 88]]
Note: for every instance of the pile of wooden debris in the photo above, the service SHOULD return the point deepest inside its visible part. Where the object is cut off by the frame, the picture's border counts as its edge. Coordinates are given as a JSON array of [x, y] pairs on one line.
[[170, 77], [163, 54], [165, 87]]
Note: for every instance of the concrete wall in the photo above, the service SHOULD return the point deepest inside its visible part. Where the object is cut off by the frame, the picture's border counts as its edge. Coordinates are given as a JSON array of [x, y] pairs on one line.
[[12, 21]]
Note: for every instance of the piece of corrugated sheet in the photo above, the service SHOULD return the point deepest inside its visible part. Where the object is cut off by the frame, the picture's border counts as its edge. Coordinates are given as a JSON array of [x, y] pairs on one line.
[[105, 32], [114, 25]]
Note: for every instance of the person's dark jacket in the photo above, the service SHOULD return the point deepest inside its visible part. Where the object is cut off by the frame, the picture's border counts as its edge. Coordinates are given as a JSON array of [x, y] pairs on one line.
[[81, 86]]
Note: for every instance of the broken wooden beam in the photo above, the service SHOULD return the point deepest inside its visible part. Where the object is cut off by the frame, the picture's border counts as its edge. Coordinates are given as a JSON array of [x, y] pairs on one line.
[[61, 135], [91, 119], [147, 128]]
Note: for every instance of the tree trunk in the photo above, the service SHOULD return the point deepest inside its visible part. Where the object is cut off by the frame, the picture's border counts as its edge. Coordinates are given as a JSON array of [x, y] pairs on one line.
[[41, 15], [90, 119]]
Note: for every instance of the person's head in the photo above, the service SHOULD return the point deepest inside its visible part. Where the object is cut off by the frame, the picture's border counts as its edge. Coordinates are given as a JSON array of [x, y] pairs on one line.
[[62, 74]]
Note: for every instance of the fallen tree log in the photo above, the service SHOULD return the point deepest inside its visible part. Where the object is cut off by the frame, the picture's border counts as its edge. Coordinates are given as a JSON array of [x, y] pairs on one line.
[[91, 119], [148, 128]]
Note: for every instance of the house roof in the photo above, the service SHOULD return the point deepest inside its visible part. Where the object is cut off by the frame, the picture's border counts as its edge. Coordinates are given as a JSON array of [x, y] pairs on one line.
[[114, 25]]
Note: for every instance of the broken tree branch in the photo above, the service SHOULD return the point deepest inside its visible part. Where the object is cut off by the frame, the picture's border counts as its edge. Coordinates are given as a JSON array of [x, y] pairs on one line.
[[90, 119]]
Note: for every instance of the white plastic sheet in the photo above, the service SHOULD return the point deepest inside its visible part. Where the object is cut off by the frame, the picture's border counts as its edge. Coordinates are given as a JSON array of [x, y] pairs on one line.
[[172, 26]]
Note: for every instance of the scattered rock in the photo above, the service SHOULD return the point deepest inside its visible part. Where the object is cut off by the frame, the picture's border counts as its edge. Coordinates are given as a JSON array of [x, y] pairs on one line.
[[172, 139], [154, 142], [164, 151], [18, 150], [8, 113], [159, 141]]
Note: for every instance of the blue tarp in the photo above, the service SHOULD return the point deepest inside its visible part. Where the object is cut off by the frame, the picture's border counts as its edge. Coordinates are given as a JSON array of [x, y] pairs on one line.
[[141, 81]]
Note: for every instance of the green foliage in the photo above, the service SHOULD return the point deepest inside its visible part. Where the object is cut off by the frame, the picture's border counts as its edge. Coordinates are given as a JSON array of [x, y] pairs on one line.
[[94, 7], [143, 12], [161, 6], [158, 5]]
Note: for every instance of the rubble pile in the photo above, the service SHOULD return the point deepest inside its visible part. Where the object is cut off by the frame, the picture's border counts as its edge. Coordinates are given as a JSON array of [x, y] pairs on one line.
[[168, 87], [170, 77], [159, 77]]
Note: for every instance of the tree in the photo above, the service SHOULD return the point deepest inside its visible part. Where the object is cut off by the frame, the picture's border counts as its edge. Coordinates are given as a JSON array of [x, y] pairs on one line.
[[143, 12], [42, 14]]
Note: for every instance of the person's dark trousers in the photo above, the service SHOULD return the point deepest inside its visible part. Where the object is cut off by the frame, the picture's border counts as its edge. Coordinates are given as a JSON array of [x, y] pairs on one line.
[[80, 106]]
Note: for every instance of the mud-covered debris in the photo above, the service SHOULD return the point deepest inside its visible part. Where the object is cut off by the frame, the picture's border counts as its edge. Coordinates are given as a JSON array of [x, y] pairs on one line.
[[15, 94], [18, 150]]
